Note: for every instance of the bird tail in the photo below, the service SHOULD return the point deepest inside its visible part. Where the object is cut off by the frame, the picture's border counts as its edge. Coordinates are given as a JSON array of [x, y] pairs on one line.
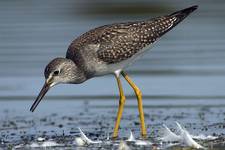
[[182, 14]]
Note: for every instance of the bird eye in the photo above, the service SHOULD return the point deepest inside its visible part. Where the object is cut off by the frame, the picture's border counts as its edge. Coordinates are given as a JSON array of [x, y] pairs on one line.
[[56, 72]]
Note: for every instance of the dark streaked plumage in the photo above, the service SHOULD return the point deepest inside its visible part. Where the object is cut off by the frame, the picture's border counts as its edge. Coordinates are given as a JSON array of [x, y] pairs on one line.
[[121, 41]]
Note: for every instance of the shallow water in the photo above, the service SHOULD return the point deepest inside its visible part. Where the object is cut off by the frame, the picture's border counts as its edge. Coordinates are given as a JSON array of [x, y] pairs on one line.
[[20, 128], [182, 78]]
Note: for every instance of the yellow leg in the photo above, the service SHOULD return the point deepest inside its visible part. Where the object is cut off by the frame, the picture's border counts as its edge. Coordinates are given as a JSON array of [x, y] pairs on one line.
[[139, 99], [120, 110]]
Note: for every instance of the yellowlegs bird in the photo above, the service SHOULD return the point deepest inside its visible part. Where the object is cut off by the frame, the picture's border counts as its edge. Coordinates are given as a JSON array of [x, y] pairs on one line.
[[109, 49]]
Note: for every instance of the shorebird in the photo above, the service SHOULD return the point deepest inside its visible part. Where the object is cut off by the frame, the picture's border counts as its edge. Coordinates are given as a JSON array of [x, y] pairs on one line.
[[109, 49]]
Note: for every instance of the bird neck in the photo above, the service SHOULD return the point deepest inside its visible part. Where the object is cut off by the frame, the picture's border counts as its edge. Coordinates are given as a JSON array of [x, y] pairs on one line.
[[78, 76]]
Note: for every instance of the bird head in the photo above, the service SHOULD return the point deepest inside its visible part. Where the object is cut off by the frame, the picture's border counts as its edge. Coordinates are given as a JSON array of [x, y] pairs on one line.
[[59, 70]]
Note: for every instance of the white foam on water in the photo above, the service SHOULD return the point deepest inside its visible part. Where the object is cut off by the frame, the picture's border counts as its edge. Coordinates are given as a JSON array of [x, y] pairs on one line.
[[198, 137], [44, 144], [183, 137], [18, 146], [137, 142], [142, 143], [79, 141], [131, 137], [40, 139], [34, 145], [168, 135], [204, 137], [180, 137], [49, 144], [84, 140], [123, 146]]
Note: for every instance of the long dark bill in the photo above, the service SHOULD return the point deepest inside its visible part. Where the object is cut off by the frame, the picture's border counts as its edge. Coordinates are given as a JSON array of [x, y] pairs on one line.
[[42, 93]]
